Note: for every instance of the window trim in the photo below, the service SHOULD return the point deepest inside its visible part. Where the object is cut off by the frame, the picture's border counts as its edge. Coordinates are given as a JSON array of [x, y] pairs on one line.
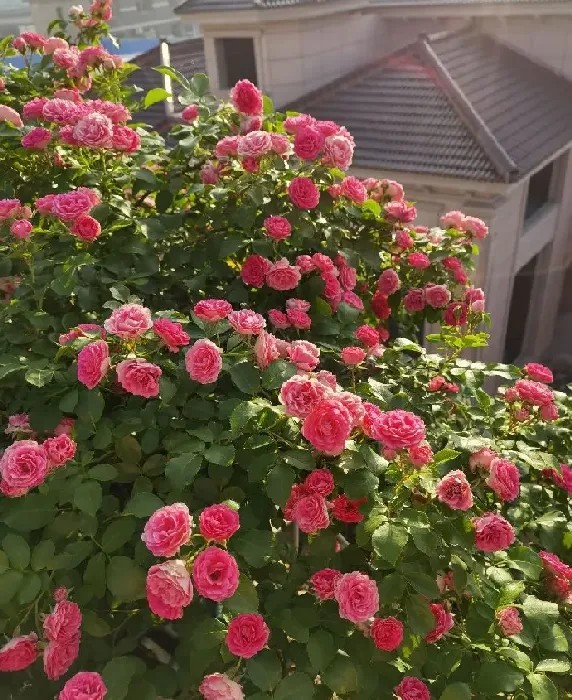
[[211, 56]]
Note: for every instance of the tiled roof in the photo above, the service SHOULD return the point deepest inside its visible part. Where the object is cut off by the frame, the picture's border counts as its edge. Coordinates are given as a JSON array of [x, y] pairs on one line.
[[457, 105], [187, 57]]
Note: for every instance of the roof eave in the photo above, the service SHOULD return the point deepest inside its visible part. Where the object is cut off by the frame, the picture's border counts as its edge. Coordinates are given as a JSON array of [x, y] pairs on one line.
[[256, 15]]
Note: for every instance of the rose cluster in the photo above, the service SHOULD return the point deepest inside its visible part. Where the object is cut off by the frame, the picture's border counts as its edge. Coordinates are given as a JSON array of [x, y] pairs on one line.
[[530, 398]]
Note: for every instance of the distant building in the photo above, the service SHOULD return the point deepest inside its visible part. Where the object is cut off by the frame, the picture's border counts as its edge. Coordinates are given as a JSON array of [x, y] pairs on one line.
[[15, 17], [131, 18]]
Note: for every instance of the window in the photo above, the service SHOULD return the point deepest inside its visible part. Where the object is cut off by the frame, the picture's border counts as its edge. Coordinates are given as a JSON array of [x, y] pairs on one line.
[[538, 190], [235, 60], [518, 312]]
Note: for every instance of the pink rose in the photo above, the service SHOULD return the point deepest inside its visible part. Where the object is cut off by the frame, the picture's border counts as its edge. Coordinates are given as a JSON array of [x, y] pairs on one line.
[[332, 290], [37, 138], [209, 174], [19, 653], [23, 466], [93, 363], [44, 205], [139, 377], [85, 685], [387, 633], [301, 395], [399, 211], [328, 379], [247, 635], [277, 227], [372, 418], [553, 565], [414, 300], [482, 459], [549, 412], [476, 227], [455, 314], [492, 533], [282, 276], [306, 264], [254, 269], [171, 333], [509, 621], [303, 193], [86, 228], [278, 319], [504, 479], [58, 657], [299, 121], [454, 490], [403, 239], [399, 429], [418, 260], [534, 393], [218, 686], [437, 295], [346, 509], [353, 189], [281, 144], [129, 321], [298, 304], [63, 623], [320, 481], [9, 209], [339, 151], [246, 98], [324, 583], [248, 124], [66, 58], [66, 136], [367, 335], [218, 523], [227, 146], [203, 361], [420, 455], [53, 43], [353, 355], [255, 144], [9, 115], [125, 139], [388, 282], [357, 596], [539, 373], [60, 449], [310, 513], [169, 589], [21, 229], [305, 355], [167, 530], [94, 131], [80, 331], [34, 109], [265, 349], [215, 574], [328, 426], [19, 423], [352, 299], [212, 310], [308, 142], [412, 688], [61, 112], [443, 623], [190, 113], [453, 219], [70, 206], [299, 319], [353, 404], [246, 322], [521, 415]]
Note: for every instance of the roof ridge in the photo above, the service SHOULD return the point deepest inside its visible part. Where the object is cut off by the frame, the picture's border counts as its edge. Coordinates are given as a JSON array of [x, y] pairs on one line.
[[504, 164]]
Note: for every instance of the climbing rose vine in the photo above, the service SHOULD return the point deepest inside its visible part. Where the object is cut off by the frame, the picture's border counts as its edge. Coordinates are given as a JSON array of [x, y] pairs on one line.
[[229, 467]]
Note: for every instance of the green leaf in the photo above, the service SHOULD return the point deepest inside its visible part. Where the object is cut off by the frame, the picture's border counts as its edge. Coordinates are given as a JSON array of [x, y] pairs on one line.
[[553, 666], [518, 658], [143, 504], [17, 550], [496, 677], [298, 685], [456, 691], [94, 574], [118, 533], [246, 377], [128, 450], [254, 546], [199, 84], [69, 401], [277, 373], [267, 106], [389, 540], [541, 611], [542, 687], [125, 579], [39, 377], [552, 638], [245, 598], [4, 563], [87, 497], [264, 669], [30, 513], [29, 588], [174, 75], [279, 483], [443, 456], [155, 95], [118, 673], [102, 472], [10, 582], [182, 470], [220, 454], [419, 615], [341, 676], [299, 459], [43, 555], [321, 649], [526, 560], [94, 625], [90, 406], [245, 411]]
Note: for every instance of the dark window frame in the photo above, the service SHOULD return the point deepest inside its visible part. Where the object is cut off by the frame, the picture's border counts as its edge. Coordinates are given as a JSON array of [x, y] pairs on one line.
[[540, 190], [236, 60]]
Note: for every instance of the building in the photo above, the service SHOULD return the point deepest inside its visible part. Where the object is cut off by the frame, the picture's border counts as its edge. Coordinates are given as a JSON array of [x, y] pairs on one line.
[[467, 102], [15, 17], [131, 18]]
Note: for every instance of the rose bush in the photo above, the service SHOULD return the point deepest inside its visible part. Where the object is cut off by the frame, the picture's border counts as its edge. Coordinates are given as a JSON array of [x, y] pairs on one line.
[[226, 470]]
